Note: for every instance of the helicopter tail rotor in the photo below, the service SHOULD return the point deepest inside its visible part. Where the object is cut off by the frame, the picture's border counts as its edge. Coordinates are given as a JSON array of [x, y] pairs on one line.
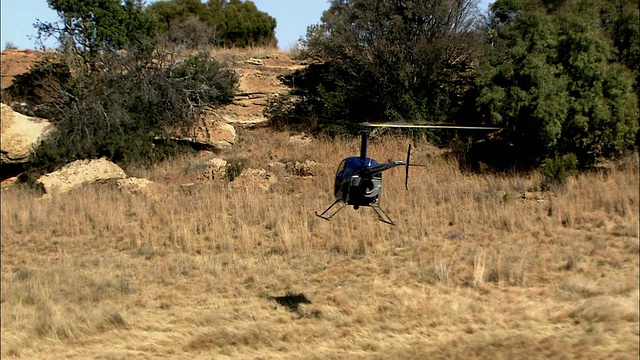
[[406, 171]]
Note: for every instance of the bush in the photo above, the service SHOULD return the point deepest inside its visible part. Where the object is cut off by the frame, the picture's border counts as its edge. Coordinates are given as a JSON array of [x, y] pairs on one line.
[[220, 23], [553, 81], [234, 168], [385, 61], [40, 88], [118, 112], [556, 170]]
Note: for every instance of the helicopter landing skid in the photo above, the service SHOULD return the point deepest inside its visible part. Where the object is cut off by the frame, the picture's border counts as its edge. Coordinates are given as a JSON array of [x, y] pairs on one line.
[[382, 215], [322, 215]]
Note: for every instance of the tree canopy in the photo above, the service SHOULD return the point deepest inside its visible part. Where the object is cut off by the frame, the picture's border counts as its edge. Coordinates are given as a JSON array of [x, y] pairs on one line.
[[216, 22], [560, 76], [122, 94], [390, 60], [91, 26], [557, 81]]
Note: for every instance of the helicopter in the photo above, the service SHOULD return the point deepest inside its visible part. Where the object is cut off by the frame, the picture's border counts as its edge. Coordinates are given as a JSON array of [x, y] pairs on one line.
[[358, 180]]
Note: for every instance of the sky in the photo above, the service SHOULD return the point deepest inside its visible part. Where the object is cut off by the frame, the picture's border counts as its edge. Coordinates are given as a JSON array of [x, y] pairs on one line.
[[292, 16]]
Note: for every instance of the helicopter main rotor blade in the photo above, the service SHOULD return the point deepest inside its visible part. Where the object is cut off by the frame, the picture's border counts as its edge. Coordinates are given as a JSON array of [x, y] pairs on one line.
[[428, 126]]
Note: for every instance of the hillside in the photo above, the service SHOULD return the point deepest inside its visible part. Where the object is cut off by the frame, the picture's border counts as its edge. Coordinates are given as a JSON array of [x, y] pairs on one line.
[[259, 71], [479, 266], [16, 62]]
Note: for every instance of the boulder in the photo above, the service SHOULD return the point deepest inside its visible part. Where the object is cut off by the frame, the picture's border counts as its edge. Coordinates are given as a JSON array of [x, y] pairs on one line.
[[209, 131], [216, 169], [14, 62], [254, 61], [300, 139], [277, 166], [304, 169], [20, 134], [134, 185], [9, 182], [79, 173], [258, 179]]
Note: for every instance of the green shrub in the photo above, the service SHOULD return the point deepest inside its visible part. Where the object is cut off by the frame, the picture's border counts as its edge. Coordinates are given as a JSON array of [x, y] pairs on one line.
[[117, 113], [556, 170], [554, 80], [235, 167], [41, 85], [221, 23]]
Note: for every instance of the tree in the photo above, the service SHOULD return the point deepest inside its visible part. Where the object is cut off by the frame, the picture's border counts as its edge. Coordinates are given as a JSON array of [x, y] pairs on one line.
[[89, 27], [391, 60], [123, 94], [231, 23], [245, 25], [118, 112], [552, 79]]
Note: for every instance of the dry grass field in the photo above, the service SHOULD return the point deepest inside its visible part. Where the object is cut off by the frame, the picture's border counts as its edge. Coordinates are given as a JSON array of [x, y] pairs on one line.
[[473, 270]]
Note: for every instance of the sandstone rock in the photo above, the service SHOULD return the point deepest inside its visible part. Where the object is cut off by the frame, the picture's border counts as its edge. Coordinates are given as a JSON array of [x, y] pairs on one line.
[[15, 62], [19, 134], [205, 153], [276, 166], [217, 163], [253, 61], [135, 185], [79, 173], [537, 196], [304, 169], [300, 139], [254, 178], [210, 131], [9, 182], [216, 169]]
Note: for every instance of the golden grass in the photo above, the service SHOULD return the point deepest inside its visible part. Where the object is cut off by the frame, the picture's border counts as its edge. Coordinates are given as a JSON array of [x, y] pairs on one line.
[[472, 270]]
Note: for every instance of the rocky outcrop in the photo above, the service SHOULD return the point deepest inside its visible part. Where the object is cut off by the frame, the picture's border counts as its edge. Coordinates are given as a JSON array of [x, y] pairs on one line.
[[254, 178], [15, 62], [140, 186], [133, 185], [79, 173], [260, 81], [216, 170], [210, 131], [303, 169], [20, 134]]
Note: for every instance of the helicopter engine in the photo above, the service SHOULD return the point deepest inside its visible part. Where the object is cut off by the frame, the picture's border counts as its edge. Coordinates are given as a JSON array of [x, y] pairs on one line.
[[363, 191]]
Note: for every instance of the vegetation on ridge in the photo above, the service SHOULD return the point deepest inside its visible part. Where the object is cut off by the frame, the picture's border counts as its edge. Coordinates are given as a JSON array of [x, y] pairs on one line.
[[558, 75]]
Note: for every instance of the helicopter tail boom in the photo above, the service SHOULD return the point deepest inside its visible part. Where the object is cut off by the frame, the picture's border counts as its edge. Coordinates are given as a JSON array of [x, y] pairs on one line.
[[380, 167]]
